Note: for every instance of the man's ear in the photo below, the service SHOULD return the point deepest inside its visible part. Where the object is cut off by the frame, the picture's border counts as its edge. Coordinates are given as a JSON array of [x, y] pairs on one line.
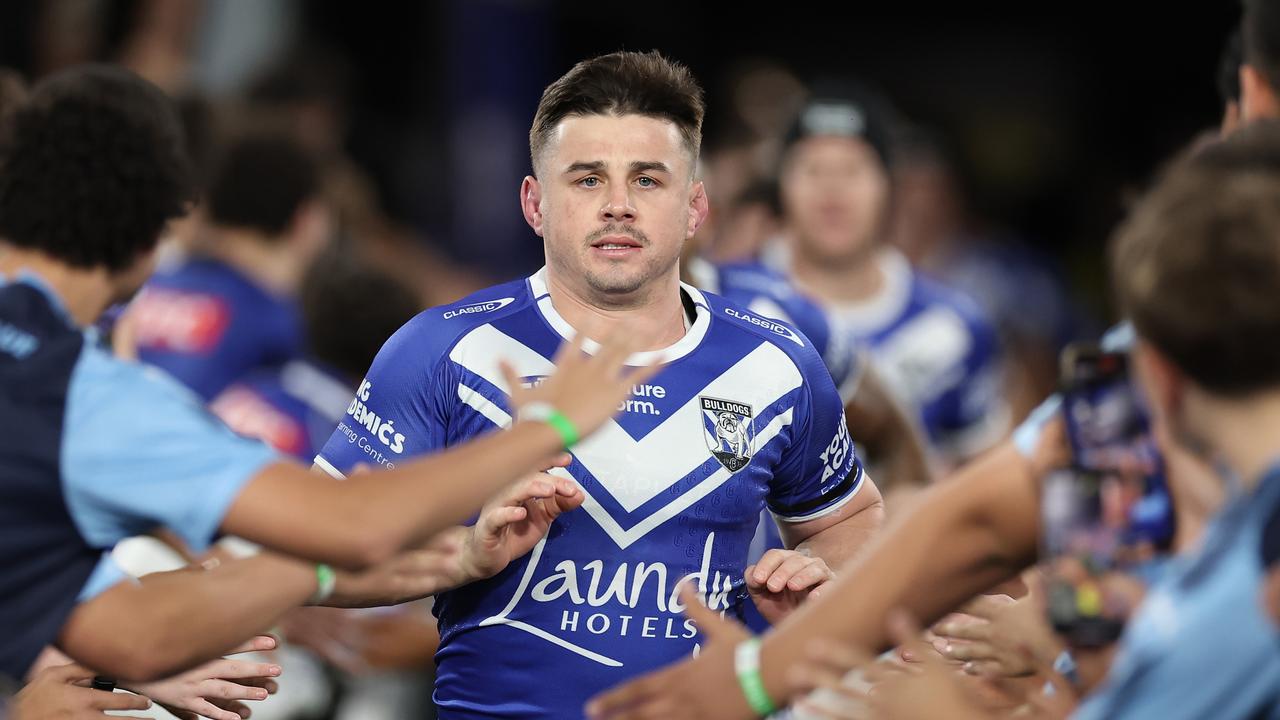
[[531, 203], [1162, 382], [1257, 96], [699, 207]]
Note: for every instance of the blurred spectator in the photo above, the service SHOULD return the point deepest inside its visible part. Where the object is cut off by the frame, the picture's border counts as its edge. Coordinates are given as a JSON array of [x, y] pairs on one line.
[[937, 350], [1017, 288], [230, 307]]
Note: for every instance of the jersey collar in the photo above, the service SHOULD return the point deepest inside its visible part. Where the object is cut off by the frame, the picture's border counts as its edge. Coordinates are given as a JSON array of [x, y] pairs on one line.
[[685, 345]]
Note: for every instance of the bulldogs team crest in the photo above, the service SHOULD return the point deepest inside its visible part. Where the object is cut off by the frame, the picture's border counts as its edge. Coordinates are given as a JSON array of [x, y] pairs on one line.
[[728, 429]]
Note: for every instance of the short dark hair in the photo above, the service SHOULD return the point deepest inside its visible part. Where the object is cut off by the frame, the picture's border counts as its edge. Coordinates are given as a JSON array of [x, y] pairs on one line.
[[622, 83], [350, 308], [92, 167], [259, 181], [1197, 264], [1261, 31]]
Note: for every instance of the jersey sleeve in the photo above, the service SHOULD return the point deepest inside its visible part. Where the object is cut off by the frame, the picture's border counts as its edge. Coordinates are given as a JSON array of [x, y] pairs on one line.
[[399, 410], [819, 470], [141, 451]]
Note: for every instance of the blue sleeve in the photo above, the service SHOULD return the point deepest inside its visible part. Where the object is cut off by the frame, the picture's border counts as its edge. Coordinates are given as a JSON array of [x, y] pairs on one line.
[[835, 343], [140, 451], [397, 412], [819, 470], [106, 575]]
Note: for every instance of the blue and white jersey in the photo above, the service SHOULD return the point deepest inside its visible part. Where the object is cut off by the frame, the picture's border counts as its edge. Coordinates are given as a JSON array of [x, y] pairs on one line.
[[93, 450], [767, 292], [935, 350], [207, 325], [742, 416], [1202, 644]]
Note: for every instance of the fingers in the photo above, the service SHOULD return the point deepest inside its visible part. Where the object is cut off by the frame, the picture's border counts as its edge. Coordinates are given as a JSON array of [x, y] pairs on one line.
[[118, 701], [709, 622], [240, 709], [968, 650], [238, 669], [559, 461], [271, 686], [760, 573], [225, 690], [638, 374], [509, 376], [261, 643], [961, 630], [221, 709], [810, 576], [704, 617], [988, 606], [780, 570]]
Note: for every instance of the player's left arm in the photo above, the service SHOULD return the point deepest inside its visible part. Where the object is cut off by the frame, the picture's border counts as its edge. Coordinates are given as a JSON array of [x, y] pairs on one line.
[[833, 539], [826, 505]]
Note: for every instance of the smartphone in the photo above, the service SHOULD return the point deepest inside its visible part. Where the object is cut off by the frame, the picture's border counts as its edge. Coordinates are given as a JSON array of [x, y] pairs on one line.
[[1109, 516]]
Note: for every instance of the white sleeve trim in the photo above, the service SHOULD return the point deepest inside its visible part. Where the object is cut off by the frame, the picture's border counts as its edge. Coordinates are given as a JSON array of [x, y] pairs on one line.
[[328, 468]]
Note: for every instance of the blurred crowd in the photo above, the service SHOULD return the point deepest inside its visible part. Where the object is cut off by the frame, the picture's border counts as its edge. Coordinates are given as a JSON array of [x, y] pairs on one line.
[[275, 294]]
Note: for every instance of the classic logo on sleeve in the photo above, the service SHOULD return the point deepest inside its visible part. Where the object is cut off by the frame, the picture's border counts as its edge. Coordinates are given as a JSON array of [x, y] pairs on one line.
[[482, 307], [729, 431], [772, 326]]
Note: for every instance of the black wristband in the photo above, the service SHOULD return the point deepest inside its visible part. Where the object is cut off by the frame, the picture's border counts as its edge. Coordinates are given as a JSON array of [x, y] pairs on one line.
[[104, 683]]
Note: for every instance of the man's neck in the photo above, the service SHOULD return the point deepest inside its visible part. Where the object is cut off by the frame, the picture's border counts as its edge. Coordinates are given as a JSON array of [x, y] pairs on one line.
[[855, 281], [1243, 433], [658, 315], [84, 293], [270, 264]]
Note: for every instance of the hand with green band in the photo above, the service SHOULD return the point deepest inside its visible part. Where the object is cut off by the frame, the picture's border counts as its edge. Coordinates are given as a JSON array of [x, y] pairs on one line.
[[746, 664], [583, 392]]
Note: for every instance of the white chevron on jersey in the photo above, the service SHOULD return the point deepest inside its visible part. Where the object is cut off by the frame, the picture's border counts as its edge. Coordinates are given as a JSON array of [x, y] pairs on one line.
[[624, 466]]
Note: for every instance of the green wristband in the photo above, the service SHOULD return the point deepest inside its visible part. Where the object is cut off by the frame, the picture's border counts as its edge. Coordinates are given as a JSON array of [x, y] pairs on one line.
[[746, 664], [326, 579], [563, 426]]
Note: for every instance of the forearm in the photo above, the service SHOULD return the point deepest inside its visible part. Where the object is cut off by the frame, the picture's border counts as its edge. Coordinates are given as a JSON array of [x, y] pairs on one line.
[[956, 542], [838, 544], [412, 575], [169, 622], [366, 519]]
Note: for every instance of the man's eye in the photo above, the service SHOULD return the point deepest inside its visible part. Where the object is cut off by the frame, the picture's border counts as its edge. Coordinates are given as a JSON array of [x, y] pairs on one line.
[[589, 182], [646, 182]]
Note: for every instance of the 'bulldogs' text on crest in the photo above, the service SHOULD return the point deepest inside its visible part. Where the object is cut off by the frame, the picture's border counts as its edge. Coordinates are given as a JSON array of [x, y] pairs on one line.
[[729, 431]]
